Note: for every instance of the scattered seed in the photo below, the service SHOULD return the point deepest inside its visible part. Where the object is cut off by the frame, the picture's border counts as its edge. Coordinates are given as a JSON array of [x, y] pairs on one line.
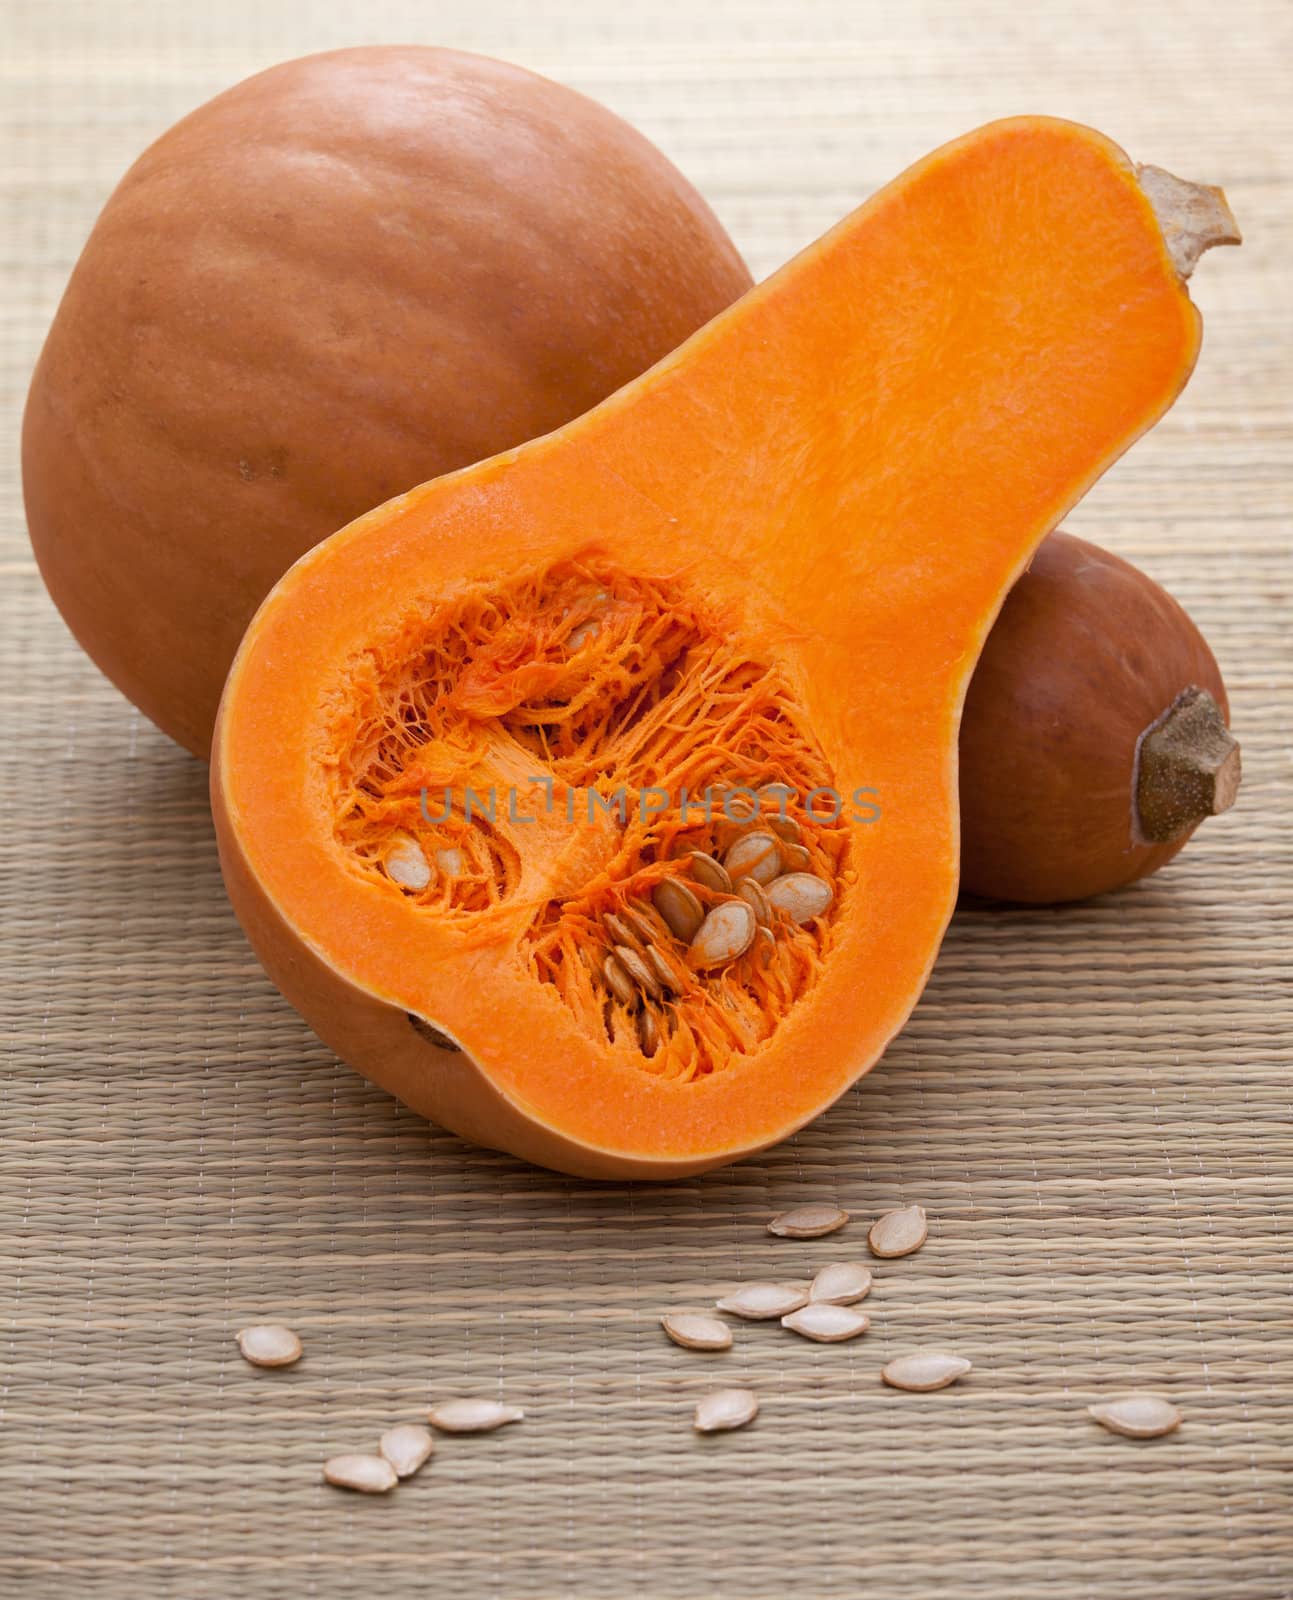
[[924, 1370], [269, 1345], [785, 828], [638, 970], [367, 1474], [761, 1302], [755, 896], [694, 1331], [755, 855], [618, 981], [827, 1324], [808, 1222], [407, 864], [727, 932], [898, 1233], [472, 1416], [724, 1409], [801, 895], [406, 1447], [841, 1284], [678, 905], [767, 945], [709, 872], [1137, 1416]]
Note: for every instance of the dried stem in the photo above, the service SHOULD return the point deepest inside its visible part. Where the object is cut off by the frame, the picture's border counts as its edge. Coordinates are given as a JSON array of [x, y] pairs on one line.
[[1193, 216], [1187, 768]]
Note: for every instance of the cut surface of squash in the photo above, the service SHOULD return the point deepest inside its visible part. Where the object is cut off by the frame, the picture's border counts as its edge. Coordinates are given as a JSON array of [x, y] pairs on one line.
[[600, 800]]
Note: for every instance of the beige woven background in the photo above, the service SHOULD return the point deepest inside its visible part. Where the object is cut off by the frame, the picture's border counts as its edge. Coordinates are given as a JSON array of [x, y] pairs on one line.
[[1094, 1104]]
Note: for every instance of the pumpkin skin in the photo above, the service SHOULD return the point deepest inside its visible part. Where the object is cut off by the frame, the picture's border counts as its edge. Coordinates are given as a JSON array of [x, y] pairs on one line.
[[341, 277], [737, 569], [1087, 654]]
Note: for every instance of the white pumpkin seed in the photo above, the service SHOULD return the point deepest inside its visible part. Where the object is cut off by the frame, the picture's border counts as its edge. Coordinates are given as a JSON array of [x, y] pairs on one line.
[[767, 946], [695, 1331], [738, 806], [826, 1323], [801, 895], [786, 829], [753, 893], [924, 1370], [796, 858], [726, 933], [622, 933], [755, 855], [407, 864], [367, 1474], [582, 634], [678, 905], [648, 1033], [664, 969], [638, 970], [724, 1409], [267, 1344], [472, 1416], [645, 929], [451, 861], [898, 1233], [709, 872], [761, 1302], [407, 1447], [843, 1283], [808, 1222], [1137, 1416], [618, 981]]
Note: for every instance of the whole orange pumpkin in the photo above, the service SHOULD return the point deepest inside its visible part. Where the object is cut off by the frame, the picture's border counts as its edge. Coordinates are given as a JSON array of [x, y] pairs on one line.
[[342, 277], [1094, 737]]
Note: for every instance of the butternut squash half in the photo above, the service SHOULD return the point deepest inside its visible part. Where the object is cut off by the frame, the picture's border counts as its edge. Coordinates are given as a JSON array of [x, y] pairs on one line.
[[464, 753]]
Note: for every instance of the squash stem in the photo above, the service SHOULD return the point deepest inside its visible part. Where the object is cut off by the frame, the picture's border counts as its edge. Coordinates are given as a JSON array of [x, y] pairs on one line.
[[1187, 768], [1193, 216]]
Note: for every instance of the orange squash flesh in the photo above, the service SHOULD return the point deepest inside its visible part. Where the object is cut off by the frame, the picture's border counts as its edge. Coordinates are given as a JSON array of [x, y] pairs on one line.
[[829, 489]]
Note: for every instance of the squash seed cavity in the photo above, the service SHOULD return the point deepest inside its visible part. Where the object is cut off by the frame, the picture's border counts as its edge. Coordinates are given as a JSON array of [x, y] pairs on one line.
[[572, 696]]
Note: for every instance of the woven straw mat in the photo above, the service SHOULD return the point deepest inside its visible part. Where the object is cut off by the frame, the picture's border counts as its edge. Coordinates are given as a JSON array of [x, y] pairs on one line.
[[1092, 1103]]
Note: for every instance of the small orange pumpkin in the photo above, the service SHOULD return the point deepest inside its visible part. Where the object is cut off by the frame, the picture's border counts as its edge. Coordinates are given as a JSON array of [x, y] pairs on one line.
[[1094, 738], [345, 275], [599, 800]]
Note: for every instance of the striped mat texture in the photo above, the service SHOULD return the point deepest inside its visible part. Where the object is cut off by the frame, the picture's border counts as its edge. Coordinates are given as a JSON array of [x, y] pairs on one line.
[[1093, 1103]]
